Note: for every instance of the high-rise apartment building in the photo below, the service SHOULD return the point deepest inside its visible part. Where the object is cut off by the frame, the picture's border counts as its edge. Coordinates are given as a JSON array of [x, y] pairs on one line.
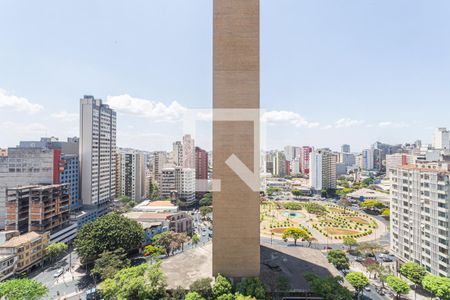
[[368, 159], [441, 138], [398, 160], [179, 183], [177, 153], [291, 152], [420, 209], [131, 174], [279, 164], [159, 162], [345, 148], [97, 153], [305, 159], [188, 152], [322, 171], [201, 170]]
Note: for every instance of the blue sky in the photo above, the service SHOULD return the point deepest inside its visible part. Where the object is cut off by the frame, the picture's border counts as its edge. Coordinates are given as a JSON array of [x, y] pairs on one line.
[[332, 71]]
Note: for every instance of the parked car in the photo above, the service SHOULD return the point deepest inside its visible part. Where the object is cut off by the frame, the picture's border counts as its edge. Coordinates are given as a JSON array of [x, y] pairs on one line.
[[58, 273]]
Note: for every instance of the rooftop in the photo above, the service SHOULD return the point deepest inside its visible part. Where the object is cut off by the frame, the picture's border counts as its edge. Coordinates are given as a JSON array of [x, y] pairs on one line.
[[21, 239]]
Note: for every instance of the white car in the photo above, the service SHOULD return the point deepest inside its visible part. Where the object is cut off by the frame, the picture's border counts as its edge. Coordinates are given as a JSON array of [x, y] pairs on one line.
[[58, 273]]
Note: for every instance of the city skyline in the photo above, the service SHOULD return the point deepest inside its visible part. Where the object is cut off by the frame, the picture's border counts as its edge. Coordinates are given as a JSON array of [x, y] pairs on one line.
[[150, 77]]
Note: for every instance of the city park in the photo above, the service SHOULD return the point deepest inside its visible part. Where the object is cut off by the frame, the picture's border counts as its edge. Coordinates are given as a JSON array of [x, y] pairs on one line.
[[317, 222]]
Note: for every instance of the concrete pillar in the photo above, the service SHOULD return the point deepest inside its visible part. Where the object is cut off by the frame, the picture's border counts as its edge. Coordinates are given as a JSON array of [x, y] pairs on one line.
[[236, 247]]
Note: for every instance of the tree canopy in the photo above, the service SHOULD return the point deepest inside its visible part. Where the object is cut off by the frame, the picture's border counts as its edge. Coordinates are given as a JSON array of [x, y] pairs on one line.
[[202, 287], [108, 233], [329, 288], [399, 286], [438, 286], [295, 233], [221, 286], [19, 289], [110, 262], [358, 280], [413, 272], [252, 287], [350, 241], [140, 282], [193, 296], [169, 241], [371, 204], [339, 259], [55, 249], [206, 200]]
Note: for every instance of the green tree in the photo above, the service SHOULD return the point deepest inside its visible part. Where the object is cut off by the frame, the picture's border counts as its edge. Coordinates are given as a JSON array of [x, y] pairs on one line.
[[140, 282], [169, 241], [151, 250], [295, 233], [293, 205], [283, 284], [55, 249], [19, 289], [371, 204], [399, 286], [195, 239], [221, 286], [202, 287], [252, 287], [204, 210], [413, 272], [438, 286], [242, 297], [296, 193], [358, 280], [206, 200], [329, 288], [110, 262], [386, 212], [339, 259], [350, 242], [108, 233], [193, 296], [227, 297], [178, 294]]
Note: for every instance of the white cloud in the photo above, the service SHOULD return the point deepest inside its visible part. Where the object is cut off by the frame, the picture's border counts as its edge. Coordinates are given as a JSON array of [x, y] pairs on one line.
[[65, 116], [16, 103], [289, 117], [154, 110], [346, 122], [392, 124]]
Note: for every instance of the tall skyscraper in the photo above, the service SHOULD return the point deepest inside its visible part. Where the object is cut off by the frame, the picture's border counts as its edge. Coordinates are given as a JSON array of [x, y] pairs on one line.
[[290, 152], [177, 153], [345, 148], [236, 240], [304, 159], [420, 213], [322, 171], [188, 152], [159, 162], [368, 159], [201, 169], [279, 164], [441, 138], [97, 153], [131, 174]]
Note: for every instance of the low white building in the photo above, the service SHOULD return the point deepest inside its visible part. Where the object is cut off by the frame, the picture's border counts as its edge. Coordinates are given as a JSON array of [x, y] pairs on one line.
[[368, 194]]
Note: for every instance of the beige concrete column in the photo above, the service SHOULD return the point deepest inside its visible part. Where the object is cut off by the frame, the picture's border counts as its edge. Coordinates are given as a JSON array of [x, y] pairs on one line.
[[235, 86]]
